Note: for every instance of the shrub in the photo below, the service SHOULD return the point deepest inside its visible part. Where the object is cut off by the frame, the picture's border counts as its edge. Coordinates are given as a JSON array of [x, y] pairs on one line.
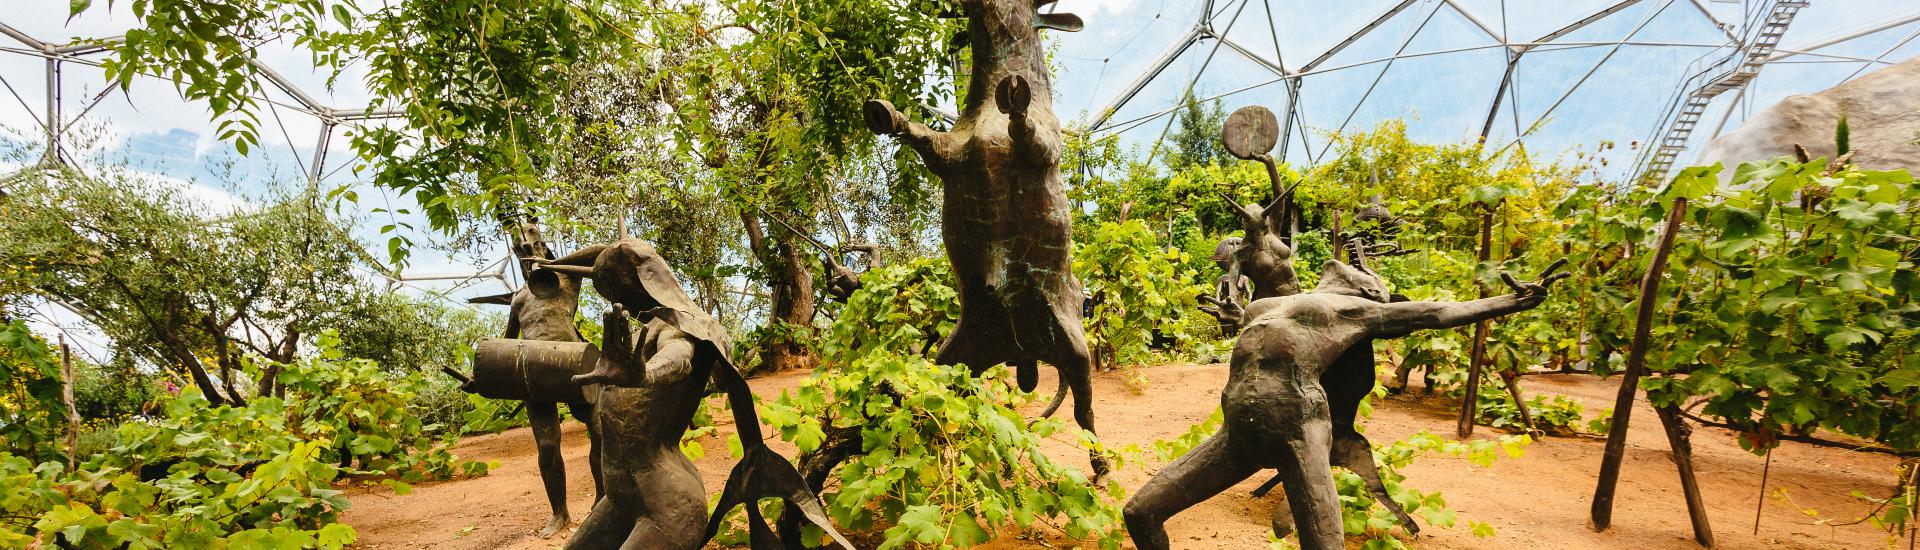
[[199, 476]]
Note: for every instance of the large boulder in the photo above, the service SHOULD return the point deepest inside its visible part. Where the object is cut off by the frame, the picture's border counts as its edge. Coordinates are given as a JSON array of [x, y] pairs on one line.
[[1883, 114]]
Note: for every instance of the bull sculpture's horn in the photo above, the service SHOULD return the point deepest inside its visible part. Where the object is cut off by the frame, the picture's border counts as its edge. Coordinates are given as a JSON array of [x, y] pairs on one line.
[[580, 270], [1057, 21]]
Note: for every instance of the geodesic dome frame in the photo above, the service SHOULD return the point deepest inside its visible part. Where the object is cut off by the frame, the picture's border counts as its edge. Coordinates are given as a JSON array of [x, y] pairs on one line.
[[1729, 42]]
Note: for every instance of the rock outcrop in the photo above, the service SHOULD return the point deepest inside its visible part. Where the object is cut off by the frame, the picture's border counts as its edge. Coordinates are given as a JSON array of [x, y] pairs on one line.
[[1883, 115]]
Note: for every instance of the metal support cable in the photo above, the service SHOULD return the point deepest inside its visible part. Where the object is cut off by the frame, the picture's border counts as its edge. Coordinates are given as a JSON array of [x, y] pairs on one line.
[[1583, 79], [1383, 74]]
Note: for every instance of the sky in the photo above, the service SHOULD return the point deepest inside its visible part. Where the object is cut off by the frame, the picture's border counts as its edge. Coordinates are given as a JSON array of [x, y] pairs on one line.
[[1581, 90]]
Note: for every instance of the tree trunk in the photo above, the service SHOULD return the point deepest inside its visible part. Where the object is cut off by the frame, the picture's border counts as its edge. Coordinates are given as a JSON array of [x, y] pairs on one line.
[[269, 384], [1519, 401], [791, 287], [66, 394], [185, 358]]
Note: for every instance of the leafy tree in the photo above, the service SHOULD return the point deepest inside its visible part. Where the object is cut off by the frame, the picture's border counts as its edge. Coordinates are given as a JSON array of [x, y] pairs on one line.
[[190, 292], [766, 96], [408, 333], [1197, 141]]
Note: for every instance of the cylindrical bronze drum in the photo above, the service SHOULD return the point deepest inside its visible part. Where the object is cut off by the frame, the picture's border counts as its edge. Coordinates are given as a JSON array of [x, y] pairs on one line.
[[531, 370]]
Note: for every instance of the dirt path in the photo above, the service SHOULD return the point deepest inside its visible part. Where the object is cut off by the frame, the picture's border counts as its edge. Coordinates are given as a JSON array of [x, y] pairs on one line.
[[1537, 501]]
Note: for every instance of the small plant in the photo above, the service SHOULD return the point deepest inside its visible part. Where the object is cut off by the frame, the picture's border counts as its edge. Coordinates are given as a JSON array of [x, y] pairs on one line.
[[1363, 516], [1551, 413], [947, 457]]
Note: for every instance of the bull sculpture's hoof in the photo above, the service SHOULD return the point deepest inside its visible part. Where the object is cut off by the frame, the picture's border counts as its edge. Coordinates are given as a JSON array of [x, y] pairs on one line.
[[554, 526], [882, 118]]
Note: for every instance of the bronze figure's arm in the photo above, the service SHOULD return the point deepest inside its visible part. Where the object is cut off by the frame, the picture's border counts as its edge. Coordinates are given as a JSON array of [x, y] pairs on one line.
[[672, 359], [935, 147], [582, 258], [513, 320], [1403, 317]]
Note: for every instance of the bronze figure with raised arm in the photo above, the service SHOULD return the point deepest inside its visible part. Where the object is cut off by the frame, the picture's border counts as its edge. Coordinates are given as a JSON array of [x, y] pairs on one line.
[[652, 383], [541, 310], [1277, 412]]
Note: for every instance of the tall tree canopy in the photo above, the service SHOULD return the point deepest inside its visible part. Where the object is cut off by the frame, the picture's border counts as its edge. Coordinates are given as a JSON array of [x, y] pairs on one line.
[[511, 108]]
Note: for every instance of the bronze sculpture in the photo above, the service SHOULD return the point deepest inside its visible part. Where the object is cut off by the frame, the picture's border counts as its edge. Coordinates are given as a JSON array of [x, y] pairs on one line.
[[1277, 411], [1006, 220], [542, 310], [1264, 255], [653, 382], [1227, 304]]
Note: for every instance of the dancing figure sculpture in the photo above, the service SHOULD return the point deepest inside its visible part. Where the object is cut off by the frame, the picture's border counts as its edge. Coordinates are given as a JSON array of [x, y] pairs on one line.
[[1264, 255], [542, 310], [652, 384], [1006, 220], [1277, 412]]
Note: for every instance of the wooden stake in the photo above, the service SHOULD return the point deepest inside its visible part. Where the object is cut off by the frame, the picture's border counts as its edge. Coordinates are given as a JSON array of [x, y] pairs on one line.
[[1680, 440], [1469, 404], [73, 415], [1519, 401], [1602, 513], [1762, 502]]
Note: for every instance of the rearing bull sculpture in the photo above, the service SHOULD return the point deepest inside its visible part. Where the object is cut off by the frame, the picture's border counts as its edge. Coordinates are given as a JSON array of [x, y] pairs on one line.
[[1006, 221]]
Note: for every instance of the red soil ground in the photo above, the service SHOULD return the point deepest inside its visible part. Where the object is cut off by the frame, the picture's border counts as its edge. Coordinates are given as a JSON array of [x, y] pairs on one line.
[[1537, 501]]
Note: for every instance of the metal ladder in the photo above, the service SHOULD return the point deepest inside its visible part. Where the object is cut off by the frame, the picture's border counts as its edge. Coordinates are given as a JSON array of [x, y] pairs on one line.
[[1728, 73]]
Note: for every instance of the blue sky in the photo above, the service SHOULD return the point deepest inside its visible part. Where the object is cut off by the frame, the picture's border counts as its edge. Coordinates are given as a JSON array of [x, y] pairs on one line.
[[1443, 90]]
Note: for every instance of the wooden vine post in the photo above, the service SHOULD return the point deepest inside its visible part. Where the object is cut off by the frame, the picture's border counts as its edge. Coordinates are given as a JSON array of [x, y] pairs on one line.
[[1476, 361], [1678, 433], [73, 414]]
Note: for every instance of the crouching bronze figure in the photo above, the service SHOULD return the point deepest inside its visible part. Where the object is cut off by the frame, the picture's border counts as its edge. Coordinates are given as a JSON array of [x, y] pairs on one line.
[[1277, 411], [652, 383]]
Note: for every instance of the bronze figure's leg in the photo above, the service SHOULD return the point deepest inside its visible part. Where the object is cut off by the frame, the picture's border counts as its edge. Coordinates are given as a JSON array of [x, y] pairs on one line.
[[1304, 463], [606, 526], [545, 418], [1205, 471], [584, 413], [1347, 383]]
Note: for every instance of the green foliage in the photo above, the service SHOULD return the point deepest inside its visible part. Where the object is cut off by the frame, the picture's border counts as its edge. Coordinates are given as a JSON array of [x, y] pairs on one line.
[[108, 394], [32, 413], [1169, 449], [1551, 413], [1134, 284], [1363, 517], [947, 458], [262, 475], [1787, 285], [366, 414], [904, 309]]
